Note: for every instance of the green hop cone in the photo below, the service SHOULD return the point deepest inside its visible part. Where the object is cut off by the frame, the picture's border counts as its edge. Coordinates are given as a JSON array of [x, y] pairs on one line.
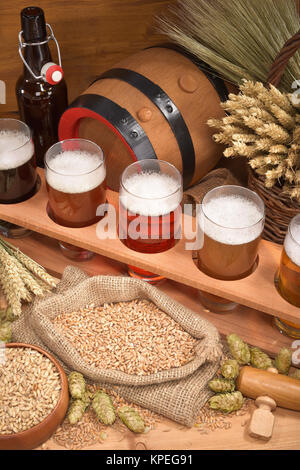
[[77, 409], [283, 361], [238, 349], [230, 369], [219, 385], [104, 408], [77, 385], [6, 332], [131, 419], [259, 359], [295, 374], [227, 402]]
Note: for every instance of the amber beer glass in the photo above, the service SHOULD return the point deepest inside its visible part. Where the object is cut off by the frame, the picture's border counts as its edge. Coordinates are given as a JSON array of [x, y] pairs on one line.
[[76, 184], [17, 162], [230, 224], [288, 276], [150, 210]]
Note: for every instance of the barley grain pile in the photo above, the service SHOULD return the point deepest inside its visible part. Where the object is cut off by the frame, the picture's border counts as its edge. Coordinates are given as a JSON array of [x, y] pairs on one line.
[[29, 389], [135, 337]]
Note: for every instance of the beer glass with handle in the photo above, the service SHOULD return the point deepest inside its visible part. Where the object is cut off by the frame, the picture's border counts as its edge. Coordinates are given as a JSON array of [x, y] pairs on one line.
[[76, 184], [18, 175], [288, 276], [150, 210], [230, 224]]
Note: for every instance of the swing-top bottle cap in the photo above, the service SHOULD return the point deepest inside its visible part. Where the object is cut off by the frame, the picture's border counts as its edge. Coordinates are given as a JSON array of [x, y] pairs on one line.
[[52, 73], [33, 24]]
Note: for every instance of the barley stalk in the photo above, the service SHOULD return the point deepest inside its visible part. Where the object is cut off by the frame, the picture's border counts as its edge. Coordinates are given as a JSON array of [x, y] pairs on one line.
[[270, 138], [31, 265], [237, 38]]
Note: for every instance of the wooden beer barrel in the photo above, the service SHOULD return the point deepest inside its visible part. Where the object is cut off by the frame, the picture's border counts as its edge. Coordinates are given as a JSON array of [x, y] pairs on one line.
[[154, 104]]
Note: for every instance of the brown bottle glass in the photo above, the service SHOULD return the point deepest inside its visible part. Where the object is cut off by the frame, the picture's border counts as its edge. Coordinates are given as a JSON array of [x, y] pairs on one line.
[[40, 104]]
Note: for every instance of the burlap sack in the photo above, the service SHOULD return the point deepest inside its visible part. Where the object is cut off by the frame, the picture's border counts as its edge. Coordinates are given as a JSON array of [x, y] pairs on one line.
[[218, 177], [177, 393]]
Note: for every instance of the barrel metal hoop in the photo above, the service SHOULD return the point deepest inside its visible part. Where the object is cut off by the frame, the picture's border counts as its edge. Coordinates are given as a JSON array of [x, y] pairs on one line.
[[169, 110], [121, 120]]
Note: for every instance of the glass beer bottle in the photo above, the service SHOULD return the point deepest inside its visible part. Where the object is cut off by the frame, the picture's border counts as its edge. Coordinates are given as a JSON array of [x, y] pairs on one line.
[[41, 91]]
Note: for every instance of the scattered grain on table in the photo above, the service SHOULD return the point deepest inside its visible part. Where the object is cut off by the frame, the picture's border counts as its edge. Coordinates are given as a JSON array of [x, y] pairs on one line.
[[89, 431]]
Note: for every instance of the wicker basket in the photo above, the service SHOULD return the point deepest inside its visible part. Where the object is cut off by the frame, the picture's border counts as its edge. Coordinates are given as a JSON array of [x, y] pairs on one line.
[[280, 209]]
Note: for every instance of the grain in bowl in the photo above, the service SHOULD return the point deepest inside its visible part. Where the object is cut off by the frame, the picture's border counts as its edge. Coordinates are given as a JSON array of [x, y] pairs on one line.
[[30, 387]]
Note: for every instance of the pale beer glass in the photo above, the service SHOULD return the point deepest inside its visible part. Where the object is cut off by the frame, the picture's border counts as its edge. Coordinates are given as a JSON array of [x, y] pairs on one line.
[[76, 185], [288, 277], [230, 225], [18, 176], [150, 210]]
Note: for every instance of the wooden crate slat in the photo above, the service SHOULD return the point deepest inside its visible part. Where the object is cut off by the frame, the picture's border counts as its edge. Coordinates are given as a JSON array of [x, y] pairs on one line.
[[257, 291]]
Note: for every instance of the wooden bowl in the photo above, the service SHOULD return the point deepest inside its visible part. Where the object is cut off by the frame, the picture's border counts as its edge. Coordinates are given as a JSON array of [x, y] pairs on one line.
[[33, 437]]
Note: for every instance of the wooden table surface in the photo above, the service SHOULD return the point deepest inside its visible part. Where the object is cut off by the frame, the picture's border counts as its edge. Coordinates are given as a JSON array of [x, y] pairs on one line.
[[168, 435], [171, 436]]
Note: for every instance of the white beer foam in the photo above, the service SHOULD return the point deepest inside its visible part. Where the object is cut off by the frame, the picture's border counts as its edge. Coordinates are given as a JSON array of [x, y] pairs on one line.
[[235, 217], [15, 149], [292, 244], [150, 194], [75, 171]]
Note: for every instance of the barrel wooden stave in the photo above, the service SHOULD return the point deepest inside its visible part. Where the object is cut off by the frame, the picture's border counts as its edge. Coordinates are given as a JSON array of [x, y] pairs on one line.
[[190, 90]]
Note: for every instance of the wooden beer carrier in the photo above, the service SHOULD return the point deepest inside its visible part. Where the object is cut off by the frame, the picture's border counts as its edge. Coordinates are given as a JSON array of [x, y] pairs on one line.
[[257, 295]]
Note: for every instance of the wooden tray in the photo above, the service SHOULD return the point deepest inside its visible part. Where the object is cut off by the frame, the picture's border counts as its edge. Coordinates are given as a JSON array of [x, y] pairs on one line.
[[256, 291]]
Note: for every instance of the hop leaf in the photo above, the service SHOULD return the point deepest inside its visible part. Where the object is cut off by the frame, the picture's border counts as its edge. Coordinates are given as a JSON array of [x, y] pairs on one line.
[[104, 408], [259, 359], [238, 349], [230, 369], [227, 402], [77, 385], [283, 361], [77, 409], [131, 419], [219, 385]]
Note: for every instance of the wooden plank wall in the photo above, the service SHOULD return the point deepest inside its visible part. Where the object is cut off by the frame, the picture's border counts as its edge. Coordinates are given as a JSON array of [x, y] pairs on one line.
[[93, 35]]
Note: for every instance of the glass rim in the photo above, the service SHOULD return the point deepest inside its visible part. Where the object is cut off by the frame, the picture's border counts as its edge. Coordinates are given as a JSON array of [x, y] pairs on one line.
[[48, 166], [290, 229], [122, 184], [246, 190], [29, 138]]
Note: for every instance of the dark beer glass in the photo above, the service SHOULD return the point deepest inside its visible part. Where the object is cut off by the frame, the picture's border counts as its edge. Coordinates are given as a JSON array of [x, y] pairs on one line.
[[288, 276], [150, 209], [17, 162], [230, 224], [76, 184]]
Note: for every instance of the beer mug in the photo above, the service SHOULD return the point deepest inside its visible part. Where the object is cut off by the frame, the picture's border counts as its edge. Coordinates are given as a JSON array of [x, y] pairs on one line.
[[76, 185], [230, 224], [17, 162], [18, 177], [287, 279], [150, 210]]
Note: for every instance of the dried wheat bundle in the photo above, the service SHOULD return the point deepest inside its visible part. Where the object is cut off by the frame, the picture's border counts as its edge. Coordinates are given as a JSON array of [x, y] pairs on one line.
[[20, 277], [238, 38], [263, 125]]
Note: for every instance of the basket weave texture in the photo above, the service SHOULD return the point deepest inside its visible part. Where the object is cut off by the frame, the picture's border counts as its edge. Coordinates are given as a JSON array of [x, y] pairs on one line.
[[280, 209]]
